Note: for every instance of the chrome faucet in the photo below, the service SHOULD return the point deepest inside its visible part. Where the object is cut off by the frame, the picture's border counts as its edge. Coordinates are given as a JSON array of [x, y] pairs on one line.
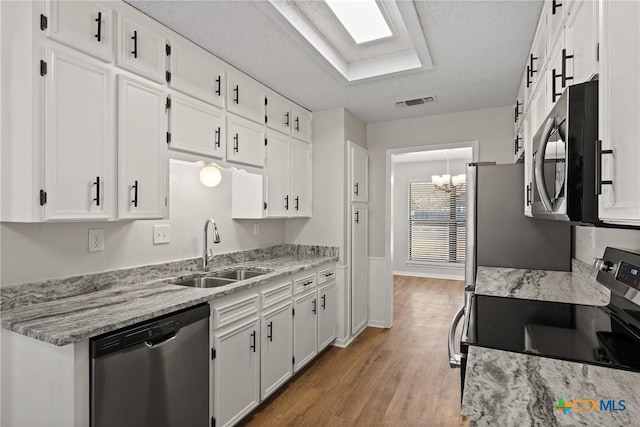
[[207, 254]]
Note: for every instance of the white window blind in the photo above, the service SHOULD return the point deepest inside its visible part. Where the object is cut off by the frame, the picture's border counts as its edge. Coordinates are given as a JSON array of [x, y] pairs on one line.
[[437, 231]]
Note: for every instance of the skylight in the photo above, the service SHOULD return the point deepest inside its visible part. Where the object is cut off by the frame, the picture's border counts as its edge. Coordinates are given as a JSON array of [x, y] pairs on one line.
[[362, 19]]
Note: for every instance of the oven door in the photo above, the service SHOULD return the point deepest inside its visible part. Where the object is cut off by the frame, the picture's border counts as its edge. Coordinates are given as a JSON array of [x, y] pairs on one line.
[[550, 170]]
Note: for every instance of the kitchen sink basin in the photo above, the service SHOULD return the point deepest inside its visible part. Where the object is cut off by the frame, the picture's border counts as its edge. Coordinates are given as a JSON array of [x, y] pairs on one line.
[[213, 280], [240, 274], [204, 282]]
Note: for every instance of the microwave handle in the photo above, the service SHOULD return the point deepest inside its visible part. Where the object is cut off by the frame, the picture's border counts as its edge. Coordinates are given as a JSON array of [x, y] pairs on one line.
[[539, 165]]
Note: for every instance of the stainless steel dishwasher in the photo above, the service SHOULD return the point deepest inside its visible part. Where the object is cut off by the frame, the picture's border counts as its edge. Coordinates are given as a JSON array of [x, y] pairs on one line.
[[154, 373]]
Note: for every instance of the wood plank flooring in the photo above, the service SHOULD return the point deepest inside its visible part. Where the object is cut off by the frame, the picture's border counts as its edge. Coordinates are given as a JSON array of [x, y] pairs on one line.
[[386, 377]]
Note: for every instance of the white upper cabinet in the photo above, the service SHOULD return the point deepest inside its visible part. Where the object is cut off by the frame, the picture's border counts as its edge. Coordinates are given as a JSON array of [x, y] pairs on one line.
[[581, 42], [619, 112], [555, 12], [300, 124], [245, 97], [538, 53], [196, 72], [278, 173], [245, 141], [278, 113], [142, 161], [195, 127], [141, 50], [557, 75], [78, 137], [83, 25], [300, 203], [359, 173]]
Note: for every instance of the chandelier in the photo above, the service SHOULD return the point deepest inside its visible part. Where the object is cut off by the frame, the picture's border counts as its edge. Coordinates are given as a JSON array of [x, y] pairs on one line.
[[447, 182]]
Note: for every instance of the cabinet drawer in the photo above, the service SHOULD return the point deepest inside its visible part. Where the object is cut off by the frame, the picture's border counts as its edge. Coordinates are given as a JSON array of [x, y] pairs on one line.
[[327, 275], [275, 294], [228, 310], [305, 283]]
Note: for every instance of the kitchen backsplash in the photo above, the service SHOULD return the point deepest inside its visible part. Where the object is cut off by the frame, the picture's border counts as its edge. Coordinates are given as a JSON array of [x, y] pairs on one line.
[[590, 242]]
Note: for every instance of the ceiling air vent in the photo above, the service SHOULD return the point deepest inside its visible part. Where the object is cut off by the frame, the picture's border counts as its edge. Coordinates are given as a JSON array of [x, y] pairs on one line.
[[416, 101]]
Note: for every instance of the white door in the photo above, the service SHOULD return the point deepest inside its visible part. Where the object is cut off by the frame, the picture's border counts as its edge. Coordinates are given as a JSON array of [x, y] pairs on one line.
[[619, 107], [276, 351], [300, 179], [278, 114], [359, 267], [236, 372], [196, 127], [245, 97], [277, 175], [582, 42], [304, 329], [326, 315], [83, 25], [359, 165], [196, 72], [141, 50], [300, 124], [142, 160], [78, 137], [245, 141]]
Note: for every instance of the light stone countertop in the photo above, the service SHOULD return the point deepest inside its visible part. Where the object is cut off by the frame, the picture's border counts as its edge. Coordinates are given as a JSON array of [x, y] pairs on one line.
[[77, 317]]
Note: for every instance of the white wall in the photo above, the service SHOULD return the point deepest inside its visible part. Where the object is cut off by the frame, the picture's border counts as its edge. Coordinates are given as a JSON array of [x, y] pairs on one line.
[[590, 242], [403, 174], [32, 252], [491, 127]]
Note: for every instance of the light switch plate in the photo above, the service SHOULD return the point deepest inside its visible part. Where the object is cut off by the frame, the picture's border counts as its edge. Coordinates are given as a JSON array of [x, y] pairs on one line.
[[161, 234], [96, 240]]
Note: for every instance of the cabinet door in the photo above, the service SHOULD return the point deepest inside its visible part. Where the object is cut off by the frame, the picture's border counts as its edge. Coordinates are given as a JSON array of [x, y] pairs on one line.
[[141, 50], [276, 350], [538, 107], [305, 332], [555, 11], [83, 25], [236, 372], [538, 54], [326, 315], [359, 164], [556, 84], [300, 178], [245, 141], [581, 37], [278, 114], [528, 164], [196, 73], [301, 124], [78, 137], [277, 175], [359, 267], [196, 127], [142, 160], [245, 97], [619, 107]]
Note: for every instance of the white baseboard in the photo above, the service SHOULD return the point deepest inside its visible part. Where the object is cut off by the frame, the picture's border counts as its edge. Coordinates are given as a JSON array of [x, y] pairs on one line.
[[430, 275], [377, 324], [344, 342]]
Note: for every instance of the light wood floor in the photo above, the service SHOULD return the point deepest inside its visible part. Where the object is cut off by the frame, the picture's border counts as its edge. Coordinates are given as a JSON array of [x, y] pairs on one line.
[[386, 377]]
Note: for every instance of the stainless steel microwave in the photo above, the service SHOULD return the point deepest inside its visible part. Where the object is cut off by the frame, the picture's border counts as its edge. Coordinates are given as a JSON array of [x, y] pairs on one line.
[[564, 158]]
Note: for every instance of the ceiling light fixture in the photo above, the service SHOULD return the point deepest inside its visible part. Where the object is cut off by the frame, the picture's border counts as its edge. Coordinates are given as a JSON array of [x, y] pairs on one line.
[[362, 19], [447, 182], [210, 175]]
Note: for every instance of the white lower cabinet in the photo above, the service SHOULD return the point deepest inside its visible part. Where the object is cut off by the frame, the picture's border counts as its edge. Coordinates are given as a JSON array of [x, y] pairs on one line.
[[359, 267], [305, 332], [276, 350], [326, 315]]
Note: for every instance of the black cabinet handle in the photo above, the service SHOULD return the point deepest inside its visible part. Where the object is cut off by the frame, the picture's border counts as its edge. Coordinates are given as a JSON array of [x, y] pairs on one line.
[[97, 184], [270, 331], [554, 94], [531, 59], [528, 194], [286, 203], [314, 306], [356, 189], [134, 52], [328, 275], [598, 167], [357, 217], [297, 124], [297, 199], [218, 85], [135, 194], [307, 283], [99, 21], [236, 97], [236, 143], [217, 137], [515, 114], [324, 302], [253, 341], [564, 68], [286, 117], [528, 75], [555, 5]]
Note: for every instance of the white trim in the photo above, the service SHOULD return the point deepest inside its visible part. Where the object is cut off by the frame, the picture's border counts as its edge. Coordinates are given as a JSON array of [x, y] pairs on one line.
[[377, 324], [345, 342], [443, 265], [430, 275]]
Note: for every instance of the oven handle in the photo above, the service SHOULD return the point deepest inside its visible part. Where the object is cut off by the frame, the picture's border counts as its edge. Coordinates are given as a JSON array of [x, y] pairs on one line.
[[539, 165], [454, 359]]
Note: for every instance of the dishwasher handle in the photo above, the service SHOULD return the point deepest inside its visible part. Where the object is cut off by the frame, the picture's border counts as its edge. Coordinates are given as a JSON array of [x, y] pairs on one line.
[[454, 359], [162, 342]]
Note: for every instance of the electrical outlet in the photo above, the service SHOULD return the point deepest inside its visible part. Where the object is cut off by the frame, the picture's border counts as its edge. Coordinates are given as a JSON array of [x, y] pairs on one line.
[[256, 229], [96, 240], [161, 234]]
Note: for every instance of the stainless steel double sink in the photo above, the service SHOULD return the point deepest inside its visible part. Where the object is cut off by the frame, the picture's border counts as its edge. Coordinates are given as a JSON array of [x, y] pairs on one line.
[[213, 280]]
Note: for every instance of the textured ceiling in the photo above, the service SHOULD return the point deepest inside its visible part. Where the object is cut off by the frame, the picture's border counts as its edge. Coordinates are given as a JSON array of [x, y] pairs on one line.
[[479, 49]]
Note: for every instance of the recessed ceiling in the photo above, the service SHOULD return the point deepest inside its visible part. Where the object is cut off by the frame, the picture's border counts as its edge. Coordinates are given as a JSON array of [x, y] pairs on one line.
[[479, 50]]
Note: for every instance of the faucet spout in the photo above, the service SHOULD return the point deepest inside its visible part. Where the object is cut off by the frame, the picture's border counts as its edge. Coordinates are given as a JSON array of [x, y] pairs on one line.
[[207, 254]]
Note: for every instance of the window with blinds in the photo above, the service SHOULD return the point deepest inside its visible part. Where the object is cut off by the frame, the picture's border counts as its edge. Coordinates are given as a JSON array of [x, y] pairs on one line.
[[437, 231]]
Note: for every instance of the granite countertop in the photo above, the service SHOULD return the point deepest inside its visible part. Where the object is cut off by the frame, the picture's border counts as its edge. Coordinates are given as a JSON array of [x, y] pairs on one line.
[[577, 287], [73, 318], [509, 389]]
